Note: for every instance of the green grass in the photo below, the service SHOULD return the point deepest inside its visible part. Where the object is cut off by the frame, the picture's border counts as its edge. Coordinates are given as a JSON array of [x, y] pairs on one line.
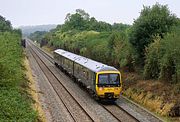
[[15, 103]]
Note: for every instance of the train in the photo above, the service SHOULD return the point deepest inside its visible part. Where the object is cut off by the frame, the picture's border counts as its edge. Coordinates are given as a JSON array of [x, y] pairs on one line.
[[23, 43], [102, 81]]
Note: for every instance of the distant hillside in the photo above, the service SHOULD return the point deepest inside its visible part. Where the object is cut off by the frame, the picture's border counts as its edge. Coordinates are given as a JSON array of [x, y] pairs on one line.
[[27, 30]]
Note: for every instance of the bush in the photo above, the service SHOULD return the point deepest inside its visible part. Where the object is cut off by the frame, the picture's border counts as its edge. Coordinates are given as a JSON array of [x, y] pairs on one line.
[[163, 58], [170, 62], [121, 51], [154, 54]]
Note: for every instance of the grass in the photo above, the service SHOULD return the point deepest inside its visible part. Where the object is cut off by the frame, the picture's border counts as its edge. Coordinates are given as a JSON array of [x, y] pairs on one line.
[[152, 102], [34, 92], [15, 102], [158, 97]]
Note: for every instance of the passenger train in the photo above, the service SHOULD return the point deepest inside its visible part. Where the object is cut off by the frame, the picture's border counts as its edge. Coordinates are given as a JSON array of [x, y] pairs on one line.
[[102, 80]]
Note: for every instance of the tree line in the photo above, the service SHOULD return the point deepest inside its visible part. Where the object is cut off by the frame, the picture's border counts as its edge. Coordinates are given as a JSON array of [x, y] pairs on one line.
[[150, 45]]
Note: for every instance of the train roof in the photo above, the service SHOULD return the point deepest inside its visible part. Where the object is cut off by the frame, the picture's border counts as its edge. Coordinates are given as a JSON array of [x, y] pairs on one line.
[[86, 62]]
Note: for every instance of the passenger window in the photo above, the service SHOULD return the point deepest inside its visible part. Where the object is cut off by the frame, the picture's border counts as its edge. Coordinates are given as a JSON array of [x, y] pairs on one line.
[[87, 75]]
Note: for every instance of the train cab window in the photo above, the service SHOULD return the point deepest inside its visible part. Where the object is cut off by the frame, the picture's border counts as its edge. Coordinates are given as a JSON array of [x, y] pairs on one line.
[[103, 79], [114, 78], [108, 80]]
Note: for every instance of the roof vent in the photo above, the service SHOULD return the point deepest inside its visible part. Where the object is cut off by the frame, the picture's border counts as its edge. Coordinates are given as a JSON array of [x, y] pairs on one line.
[[97, 67]]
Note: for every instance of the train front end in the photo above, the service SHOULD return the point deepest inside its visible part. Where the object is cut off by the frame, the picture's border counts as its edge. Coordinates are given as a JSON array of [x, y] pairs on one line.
[[108, 85]]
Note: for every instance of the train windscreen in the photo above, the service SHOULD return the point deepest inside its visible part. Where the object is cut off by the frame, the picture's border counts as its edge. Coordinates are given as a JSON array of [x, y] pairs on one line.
[[108, 80]]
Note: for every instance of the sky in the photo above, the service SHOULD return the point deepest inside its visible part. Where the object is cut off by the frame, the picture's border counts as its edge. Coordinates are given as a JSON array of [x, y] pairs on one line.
[[40, 12]]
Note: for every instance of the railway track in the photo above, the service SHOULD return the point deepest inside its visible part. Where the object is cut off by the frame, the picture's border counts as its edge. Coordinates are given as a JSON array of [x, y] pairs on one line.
[[115, 110], [119, 113], [78, 113]]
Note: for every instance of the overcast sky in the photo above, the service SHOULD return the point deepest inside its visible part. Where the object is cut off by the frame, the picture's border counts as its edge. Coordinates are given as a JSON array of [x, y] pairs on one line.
[[38, 12]]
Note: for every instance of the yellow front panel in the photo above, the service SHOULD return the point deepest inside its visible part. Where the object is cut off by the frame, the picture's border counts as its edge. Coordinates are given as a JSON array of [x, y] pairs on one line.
[[102, 90]]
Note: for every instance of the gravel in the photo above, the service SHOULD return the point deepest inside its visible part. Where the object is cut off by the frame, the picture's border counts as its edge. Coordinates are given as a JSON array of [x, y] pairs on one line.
[[139, 112], [51, 104]]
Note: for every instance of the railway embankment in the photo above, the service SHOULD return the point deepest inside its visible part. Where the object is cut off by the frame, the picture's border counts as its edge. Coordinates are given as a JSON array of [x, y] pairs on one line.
[[161, 98], [15, 101], [34, 91]]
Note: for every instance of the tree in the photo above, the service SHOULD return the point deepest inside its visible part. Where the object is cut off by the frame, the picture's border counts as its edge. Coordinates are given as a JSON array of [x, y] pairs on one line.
[[77, 21], [38, 35], [82, 21], [152, 21], [120, 27], [5, 25], [120, 50], [83, 14]]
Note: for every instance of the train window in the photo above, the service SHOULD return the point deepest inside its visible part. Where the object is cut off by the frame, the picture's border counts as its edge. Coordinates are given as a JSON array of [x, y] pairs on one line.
[[103, 79], [62, 60], [67, 63], [108, 79], [87, 75], [90, 75], [114, 78], [77, 68], [71, 64]]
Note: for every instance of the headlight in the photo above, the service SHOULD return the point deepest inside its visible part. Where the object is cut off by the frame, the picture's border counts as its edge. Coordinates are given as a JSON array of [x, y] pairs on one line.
[[101, 88], [116, 88]]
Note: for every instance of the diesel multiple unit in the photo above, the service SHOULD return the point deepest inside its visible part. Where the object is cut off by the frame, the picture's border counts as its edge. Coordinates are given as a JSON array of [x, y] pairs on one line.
[[102, 80]]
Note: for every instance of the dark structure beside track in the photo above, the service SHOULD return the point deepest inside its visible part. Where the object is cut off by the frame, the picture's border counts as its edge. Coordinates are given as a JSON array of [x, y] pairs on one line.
[[23, 43]]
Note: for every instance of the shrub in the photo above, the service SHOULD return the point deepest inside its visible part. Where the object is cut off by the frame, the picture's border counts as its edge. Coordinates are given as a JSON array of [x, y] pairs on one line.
[[170, 62], [163, 58], [121, 51], [152, 63]]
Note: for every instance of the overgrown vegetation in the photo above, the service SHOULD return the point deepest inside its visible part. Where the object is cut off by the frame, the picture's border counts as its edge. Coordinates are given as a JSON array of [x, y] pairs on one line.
[[150, 47], [15, 104], [37, 35], [146, 45], [163, 58], [152, 21]]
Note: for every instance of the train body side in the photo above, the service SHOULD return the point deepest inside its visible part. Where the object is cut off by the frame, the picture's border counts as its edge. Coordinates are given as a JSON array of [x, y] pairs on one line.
[[82, 74]]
